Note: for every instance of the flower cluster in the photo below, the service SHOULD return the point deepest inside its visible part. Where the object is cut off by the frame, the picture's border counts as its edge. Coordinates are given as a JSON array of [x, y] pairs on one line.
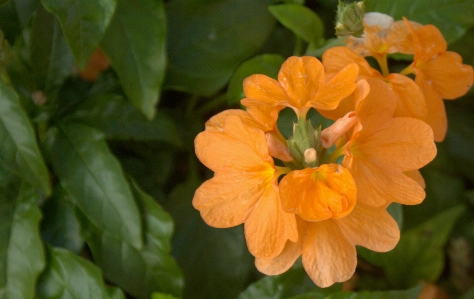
[[323, 190]]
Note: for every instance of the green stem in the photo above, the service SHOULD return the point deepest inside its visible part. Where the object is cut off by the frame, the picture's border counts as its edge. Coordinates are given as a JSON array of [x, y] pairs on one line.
[[408, 70], [298, 51], [382, 60]]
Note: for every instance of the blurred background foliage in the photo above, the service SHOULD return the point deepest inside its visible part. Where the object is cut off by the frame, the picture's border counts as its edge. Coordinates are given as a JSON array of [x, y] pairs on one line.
[[100, 101]]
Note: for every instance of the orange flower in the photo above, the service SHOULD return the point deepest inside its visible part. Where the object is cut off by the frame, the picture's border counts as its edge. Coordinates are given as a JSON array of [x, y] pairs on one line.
[[439, 73], [320, 209], [409, 97], [244, 188], [382, 36], [95, 65], [301, 85]]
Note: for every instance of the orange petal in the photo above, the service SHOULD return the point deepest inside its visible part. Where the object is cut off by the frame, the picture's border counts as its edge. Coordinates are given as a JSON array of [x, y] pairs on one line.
[[400, 37], [264, 89], [428, 42], [301, 77], [377, 107], [401, 144], [227, 200], [264, 114], [449, 77], [337, 88], [370, 227], [328, 257], [216, 123], [238, 147], [335, 59], [318, 194], [269, 227], [378, 186], [410, 99], [277, 148], [436, 115], [416, 176], [287, 257]]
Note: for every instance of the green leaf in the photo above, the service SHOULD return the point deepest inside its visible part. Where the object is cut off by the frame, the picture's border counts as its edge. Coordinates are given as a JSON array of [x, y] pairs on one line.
[[419, 255], [25, 9], [396, 211], [135, 46], [154, 270], [312, 295], [301, 20], [267, 64], [210, 258], [19, 152], [207, 40], [84, 23], [59, 227], [118, 119], [70, 276], [449, 16], [292, 282], [51, 58], [94, 180], [162, 296], [412, 293], [21, 249]]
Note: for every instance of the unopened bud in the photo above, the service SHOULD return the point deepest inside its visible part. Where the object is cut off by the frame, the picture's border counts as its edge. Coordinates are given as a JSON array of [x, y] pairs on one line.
[[350, 19], [310, 155]]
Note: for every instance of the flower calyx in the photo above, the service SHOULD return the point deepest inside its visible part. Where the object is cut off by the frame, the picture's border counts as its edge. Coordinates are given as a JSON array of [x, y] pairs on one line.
[[305, 146]]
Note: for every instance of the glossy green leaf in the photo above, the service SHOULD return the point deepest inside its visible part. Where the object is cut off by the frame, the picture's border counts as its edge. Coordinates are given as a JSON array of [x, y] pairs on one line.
[[208, 39], [304, 22], [119, 119], [51, 57], [94, 180], [218, 257], [25, 9], [84, 23], [59, 227], [154, 270], [412, 293], [419, 255], [70, 276], [292, 282], [21, 249], [19, 151], [449, 16], [267, 64], [135, 46]]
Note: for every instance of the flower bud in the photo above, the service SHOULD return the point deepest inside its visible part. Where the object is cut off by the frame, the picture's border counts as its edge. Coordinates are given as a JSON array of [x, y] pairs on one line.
[[350, 19]]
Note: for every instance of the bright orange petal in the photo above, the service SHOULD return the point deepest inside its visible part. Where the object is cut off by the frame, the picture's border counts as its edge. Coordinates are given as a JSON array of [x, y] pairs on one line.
[[378, 186], [335, 59], [377, 107], [264, 89], [370, 227], [416, 176], [287, 257], [401, 144], [436, 115], [301, 77], [269, 227], [448, 75], [328, 257], [428, 42], [410, 100], [318, 194], [337, 88], [227, 200], [216, 123], [337, 129], [239, 147]]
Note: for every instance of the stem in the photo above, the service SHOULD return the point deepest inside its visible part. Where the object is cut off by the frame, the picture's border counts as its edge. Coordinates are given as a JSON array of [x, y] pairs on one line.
[[298, 51], [382, 60], [408, 70], [282, 170]]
